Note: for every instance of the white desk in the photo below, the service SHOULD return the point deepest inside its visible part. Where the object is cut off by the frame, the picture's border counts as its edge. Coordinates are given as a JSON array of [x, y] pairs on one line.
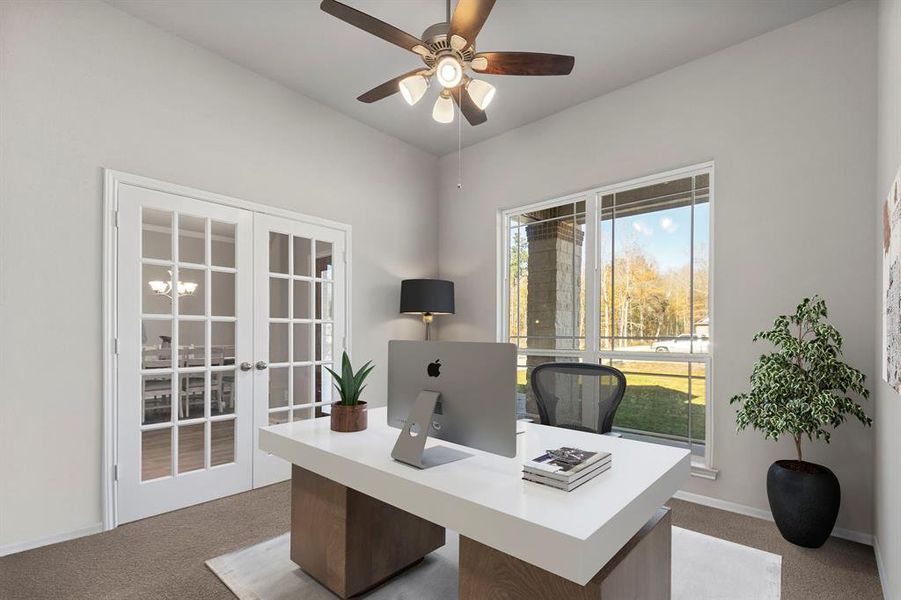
[[484, 497]]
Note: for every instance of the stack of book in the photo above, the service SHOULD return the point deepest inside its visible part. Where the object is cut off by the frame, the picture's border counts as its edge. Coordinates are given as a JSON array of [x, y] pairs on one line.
[[566, 468]]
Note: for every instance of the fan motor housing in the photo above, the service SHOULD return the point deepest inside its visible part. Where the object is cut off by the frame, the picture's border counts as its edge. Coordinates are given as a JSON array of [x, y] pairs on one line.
[[435, 39]]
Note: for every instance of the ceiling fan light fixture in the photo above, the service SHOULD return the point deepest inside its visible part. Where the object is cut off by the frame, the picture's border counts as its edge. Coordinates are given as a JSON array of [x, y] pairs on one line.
[[449, 72], [443, 111], [448, 50], [413, 88], [481, 92]]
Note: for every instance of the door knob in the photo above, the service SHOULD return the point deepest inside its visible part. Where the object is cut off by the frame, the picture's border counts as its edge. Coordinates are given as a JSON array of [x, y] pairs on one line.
[[262, 365], [246, 366]]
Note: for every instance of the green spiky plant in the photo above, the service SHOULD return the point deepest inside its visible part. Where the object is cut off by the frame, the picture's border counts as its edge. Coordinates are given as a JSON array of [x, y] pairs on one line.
[[349, 384], [802, 388]]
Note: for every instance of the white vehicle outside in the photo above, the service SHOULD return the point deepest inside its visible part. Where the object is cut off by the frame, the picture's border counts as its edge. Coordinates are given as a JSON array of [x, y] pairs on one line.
[[683, 343]]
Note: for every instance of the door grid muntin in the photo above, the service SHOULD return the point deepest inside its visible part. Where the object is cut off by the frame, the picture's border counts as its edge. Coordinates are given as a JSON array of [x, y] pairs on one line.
[[189, 376], [305, 342]]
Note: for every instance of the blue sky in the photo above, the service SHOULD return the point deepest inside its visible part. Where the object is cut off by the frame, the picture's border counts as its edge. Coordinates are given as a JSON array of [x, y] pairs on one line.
[[664, 235]]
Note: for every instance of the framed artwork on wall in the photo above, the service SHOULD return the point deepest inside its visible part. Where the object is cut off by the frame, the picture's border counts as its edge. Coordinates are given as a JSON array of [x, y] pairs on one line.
[[891, 285]]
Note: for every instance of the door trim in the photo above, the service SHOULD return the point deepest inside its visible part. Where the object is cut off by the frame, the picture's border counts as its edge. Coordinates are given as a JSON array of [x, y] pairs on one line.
[[111, 181]]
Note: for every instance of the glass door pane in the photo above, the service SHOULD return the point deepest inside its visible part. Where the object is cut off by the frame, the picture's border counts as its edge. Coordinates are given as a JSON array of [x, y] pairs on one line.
[[300, 282], [299, 339], [201, 370]]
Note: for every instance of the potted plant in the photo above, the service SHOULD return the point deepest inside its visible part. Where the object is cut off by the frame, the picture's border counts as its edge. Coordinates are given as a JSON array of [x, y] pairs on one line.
[[349, 413], [802, 390]]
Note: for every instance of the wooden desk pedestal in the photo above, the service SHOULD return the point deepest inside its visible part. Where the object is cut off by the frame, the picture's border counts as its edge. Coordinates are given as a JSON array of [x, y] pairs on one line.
[[350, 542], [640, 570]]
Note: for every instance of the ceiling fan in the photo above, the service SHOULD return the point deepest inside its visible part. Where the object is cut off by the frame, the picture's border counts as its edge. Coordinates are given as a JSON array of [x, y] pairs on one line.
[[448, 49]]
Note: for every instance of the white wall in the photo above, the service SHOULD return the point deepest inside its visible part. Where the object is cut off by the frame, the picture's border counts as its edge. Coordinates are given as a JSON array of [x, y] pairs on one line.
[[85, 86], [789, 119], [888, 403]]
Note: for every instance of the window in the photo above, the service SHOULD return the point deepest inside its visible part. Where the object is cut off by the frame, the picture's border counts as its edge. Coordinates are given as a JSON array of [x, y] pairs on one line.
[[619, 276]]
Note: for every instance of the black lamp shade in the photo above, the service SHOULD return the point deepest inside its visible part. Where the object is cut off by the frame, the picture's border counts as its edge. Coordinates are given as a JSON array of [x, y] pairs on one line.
[[433, 296]]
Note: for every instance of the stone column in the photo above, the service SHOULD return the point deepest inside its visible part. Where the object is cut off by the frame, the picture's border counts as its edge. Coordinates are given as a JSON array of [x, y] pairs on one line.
[[555, 255]]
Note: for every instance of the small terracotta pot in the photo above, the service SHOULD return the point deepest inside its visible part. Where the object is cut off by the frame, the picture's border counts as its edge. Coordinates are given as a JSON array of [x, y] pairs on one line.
[[349, 418]]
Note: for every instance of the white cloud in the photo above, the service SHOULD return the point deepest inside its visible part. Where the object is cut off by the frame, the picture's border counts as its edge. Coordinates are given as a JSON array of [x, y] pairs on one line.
[[642, 228], [668, 225]]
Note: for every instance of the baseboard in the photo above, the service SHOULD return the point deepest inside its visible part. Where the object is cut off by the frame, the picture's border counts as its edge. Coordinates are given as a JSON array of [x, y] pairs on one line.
[[750, 511], [13, 548], [886, 593]]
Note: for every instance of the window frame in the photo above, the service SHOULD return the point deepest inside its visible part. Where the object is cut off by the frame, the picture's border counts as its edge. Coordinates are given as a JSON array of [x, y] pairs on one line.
[[701, 467]]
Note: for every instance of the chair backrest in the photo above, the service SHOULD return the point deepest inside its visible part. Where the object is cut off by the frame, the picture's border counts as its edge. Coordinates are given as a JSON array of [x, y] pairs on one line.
[[581, 396]]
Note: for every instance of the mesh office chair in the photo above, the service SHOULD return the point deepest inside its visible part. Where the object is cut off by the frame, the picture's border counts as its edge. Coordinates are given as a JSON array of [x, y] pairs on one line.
[[579, 396]]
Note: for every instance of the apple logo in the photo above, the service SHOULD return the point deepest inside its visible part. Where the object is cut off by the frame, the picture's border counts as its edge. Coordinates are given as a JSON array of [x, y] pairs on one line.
[[434, 368]]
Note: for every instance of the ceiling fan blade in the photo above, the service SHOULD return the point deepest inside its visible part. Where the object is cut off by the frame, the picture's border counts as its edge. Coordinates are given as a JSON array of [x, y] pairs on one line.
[[370, 24], [386, 89], [467, 21], [473, 113], [522, 63]]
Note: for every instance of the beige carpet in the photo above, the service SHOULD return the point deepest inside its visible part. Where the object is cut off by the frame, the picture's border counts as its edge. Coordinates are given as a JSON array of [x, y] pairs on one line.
[[704, 568], [163, 557]]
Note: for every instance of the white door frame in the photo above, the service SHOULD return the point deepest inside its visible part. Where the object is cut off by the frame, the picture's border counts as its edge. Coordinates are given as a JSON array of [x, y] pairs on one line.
[[111, 181]]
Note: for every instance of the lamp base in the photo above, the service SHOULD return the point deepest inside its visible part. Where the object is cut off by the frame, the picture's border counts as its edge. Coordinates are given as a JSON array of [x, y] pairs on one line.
[[427, 319]]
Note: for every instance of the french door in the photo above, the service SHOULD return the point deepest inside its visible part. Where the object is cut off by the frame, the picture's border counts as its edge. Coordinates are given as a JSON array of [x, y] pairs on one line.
[[300, 288], [225, 318]]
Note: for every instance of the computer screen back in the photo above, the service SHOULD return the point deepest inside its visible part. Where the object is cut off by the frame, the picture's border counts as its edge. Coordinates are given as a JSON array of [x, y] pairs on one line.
[[477, 383]]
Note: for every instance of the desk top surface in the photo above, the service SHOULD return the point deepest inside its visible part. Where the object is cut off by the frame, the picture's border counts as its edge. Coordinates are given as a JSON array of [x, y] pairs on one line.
[[484, 497]]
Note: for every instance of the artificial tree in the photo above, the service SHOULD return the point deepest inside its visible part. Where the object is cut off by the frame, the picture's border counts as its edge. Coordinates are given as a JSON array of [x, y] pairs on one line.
[[802, 389]]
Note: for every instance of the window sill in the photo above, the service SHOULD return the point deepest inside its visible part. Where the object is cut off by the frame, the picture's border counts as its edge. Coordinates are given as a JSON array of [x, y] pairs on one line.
[[699, 469]]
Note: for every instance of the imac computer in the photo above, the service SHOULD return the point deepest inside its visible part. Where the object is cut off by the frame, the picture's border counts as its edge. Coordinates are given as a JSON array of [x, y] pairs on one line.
[[460, 392]]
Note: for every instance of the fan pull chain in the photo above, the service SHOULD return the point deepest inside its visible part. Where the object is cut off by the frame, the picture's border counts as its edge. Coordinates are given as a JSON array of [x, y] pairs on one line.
[[460, 141]]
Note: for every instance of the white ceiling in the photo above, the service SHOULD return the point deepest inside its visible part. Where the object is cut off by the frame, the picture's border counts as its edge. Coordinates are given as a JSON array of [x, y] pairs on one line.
[[615, 42]]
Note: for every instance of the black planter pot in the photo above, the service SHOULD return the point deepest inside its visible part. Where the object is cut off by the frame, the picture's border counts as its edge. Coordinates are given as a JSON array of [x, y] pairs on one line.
[[804, 498]]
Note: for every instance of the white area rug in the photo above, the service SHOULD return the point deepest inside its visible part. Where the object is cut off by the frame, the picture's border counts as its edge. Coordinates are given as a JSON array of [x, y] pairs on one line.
[[704, 568]]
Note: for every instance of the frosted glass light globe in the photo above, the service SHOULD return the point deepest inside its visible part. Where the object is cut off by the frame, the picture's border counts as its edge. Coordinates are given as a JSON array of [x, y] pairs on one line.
[[443, 112], [481, 92], [449, 72], [413, 88]]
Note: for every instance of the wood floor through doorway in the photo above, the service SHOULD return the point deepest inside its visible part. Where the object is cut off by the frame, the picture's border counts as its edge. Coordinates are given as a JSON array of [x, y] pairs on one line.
[[156, 448]]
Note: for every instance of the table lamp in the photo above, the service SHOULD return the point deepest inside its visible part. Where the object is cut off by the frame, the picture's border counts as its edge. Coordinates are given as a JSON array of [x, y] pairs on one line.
[[426, 297]]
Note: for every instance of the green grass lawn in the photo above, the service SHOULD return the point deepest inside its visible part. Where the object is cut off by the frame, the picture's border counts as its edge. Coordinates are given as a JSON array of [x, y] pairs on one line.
[[657, 400]]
